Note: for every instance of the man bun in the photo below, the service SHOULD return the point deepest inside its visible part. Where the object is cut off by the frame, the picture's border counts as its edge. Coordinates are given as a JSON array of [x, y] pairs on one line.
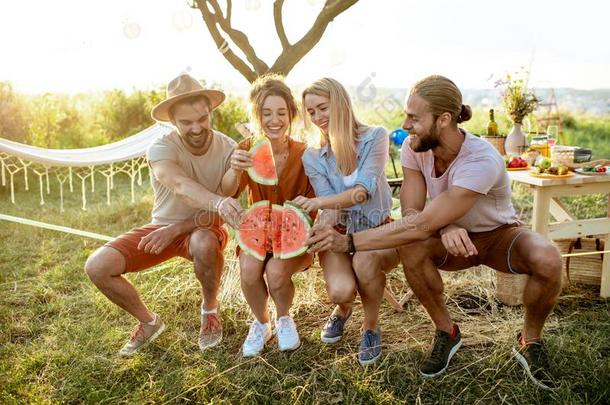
[[465, 114]]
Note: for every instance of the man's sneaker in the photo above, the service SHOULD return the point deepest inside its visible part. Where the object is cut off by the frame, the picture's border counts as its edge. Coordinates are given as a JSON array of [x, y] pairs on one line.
[[210, 334], [370, 347], [287, 335], [443, 349], [535, 360], [141, 335], [258, 335], [333, 330]]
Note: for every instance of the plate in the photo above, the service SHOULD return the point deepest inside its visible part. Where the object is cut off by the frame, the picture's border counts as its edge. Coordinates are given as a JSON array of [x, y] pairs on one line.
[[516, 169], [551, 176], [581, 171]]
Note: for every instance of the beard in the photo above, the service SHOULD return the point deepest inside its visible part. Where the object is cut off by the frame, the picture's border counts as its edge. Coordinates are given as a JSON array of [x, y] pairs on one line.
[[427, 141], [197, 140]]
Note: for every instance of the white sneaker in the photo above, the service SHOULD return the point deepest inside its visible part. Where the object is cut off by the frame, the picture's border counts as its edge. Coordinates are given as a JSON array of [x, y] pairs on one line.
[[142, 334], [287, 335], [258, 335]]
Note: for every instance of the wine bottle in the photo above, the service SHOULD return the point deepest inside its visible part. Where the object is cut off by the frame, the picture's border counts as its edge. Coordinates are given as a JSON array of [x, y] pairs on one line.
[[492, 127]]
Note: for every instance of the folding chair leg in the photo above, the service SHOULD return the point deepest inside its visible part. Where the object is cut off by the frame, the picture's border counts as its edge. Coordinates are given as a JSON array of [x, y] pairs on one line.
[[389, 297]]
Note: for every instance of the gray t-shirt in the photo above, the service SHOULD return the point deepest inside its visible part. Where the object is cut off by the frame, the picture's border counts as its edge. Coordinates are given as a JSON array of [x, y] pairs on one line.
[[207, 170], [477, 167]]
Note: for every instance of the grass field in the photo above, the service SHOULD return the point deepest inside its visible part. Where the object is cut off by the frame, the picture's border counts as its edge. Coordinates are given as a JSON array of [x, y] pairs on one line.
[[59, 335]]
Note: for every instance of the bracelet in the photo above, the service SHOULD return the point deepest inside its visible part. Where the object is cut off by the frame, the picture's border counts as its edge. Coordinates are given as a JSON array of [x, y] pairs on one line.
[[219, 203], [351, 248]]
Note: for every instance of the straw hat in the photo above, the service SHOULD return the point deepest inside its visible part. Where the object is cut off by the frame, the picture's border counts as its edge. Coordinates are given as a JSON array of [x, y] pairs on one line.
[[184, 86]]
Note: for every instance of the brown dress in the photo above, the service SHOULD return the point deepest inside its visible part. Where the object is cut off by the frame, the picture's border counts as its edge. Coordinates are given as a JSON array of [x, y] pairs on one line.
[[292, 182]]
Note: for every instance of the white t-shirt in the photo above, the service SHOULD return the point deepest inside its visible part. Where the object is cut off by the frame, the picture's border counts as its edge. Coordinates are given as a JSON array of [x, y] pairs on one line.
[[350, 180]]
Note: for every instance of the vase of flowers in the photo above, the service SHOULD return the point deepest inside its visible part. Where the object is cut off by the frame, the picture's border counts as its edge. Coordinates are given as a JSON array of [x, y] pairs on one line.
[[518, 101]]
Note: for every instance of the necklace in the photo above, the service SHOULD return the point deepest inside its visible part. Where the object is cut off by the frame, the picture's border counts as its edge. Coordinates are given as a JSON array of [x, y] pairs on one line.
[[281, 157]]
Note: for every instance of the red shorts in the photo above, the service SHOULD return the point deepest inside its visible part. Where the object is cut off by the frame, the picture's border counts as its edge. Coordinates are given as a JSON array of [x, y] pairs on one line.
[[137, 260]]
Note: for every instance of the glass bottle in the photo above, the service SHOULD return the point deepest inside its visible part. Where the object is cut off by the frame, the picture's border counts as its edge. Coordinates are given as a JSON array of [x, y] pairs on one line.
[[492, 127]]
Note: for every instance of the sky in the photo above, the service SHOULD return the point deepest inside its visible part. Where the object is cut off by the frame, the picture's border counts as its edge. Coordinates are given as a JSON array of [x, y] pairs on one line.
[[77, 46]]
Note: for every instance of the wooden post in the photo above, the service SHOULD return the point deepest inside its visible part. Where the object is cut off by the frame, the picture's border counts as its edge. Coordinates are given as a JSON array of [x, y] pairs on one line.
[[540, 215], [604, 290]]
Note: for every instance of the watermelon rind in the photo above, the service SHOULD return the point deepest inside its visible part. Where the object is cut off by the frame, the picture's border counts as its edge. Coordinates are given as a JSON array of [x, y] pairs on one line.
[[252, 173], [259, 204], [306, 220], [242, 244], [300, 210]]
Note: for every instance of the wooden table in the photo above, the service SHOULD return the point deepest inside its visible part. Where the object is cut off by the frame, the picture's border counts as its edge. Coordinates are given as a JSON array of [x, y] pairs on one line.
[[546, 203]]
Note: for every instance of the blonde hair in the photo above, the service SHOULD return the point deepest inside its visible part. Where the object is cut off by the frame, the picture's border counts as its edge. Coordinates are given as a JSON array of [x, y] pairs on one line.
[[271, 84], [442, 95], [343, 126]]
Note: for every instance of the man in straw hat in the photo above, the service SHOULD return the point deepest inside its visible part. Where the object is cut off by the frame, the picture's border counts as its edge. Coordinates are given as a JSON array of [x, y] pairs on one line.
[[469, 221], [189, 168]]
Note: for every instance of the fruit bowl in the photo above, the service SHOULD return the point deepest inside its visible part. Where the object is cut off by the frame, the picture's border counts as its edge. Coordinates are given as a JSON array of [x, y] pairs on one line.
[[515, 169], [515, 163]]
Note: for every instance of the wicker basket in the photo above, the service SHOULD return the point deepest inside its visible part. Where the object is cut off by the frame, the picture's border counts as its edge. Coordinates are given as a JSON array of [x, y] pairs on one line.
[[497, 142], [579, 269], [509, 288], [582, 269]]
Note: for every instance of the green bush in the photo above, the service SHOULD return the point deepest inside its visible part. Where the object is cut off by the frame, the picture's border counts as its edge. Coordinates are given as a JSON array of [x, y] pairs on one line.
[[91, 119], [117, 114], [54, 122], [228, 114]]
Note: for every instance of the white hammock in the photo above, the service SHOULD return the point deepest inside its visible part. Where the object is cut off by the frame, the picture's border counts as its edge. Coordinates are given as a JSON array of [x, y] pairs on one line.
[[125, 156], [125, 149]]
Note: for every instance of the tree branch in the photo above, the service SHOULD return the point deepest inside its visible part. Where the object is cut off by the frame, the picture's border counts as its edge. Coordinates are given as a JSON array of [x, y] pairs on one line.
[[239, 38], [217, 22], [279, 24], [235, 61], [292, 55]]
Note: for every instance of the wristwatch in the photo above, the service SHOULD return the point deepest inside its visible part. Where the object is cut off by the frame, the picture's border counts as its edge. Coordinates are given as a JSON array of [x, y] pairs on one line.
[[351, 248]]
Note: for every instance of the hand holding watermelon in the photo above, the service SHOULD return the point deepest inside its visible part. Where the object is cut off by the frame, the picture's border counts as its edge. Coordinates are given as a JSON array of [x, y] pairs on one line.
[[230, 211], [308, 204], [241, 160], [325, 237]]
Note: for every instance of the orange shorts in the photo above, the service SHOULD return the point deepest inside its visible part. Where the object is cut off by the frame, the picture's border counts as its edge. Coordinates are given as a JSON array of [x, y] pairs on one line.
[[137, 260]]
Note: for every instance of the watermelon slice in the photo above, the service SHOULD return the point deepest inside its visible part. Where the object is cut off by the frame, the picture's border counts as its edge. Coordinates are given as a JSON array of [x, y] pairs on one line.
[[296, 224], [281, 230], [263, 167], [252, 233]]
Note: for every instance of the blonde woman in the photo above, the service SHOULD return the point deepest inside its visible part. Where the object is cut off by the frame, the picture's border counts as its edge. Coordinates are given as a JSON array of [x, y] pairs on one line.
[[274, 110], [348, 175]]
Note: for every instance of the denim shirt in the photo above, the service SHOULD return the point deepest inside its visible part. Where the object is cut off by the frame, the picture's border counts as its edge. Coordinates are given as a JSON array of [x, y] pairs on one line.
[[372, 148]]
